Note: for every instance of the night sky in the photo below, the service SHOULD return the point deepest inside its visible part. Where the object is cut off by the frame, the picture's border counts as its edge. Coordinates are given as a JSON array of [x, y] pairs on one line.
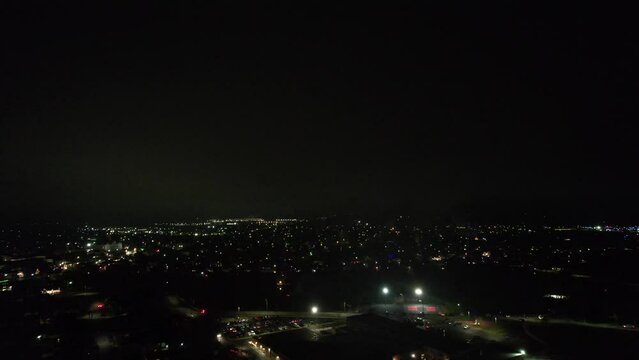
[[499, 113]]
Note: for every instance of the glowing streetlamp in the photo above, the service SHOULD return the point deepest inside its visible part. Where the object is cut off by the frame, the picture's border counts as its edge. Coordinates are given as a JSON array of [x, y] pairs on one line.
[[418, 292], [314, 310], [385, 290]]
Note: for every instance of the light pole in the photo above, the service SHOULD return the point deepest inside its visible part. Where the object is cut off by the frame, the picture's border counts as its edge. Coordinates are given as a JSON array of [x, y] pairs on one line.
[[266, 300], [385, 291], [418, 293]]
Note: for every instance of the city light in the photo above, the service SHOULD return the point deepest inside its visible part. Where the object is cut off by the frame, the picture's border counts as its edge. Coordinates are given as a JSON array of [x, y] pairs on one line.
[[201, 257], [51, 291]]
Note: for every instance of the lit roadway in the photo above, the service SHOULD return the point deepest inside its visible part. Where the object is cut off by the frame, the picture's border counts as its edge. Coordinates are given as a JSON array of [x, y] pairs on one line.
[[534, 319], [291, 314]]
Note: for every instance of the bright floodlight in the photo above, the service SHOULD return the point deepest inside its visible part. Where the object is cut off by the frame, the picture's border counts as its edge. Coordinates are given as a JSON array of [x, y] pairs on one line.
[[418, 292], [385, 290], [522, 352], [314, 309]]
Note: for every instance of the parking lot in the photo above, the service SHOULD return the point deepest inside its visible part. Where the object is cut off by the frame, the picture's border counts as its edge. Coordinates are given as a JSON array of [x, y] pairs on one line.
[[241, 328]]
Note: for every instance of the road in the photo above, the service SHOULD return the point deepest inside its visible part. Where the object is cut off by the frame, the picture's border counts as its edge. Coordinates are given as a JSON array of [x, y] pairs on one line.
[[291, 314], [533, 319]]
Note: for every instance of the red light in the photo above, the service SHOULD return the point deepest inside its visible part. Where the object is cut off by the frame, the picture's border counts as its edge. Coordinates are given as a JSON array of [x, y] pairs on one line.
[[100, 306], [203, 311], [431, 309]]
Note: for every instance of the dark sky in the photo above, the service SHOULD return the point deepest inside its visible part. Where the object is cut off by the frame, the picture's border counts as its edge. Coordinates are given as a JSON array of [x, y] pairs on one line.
[[115, 113]]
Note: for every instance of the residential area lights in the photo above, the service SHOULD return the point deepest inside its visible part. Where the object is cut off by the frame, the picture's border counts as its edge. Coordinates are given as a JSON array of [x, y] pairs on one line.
[[314, 310], [385, 290], [418, 292]]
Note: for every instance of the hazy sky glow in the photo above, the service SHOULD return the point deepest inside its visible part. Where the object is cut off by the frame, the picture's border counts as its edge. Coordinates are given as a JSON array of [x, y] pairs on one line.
[[495, 114]]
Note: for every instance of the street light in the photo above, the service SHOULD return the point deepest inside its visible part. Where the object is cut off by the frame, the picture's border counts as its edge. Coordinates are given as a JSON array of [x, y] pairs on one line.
[[418, 292], [314, 310], [385, 291], [522, 352]]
